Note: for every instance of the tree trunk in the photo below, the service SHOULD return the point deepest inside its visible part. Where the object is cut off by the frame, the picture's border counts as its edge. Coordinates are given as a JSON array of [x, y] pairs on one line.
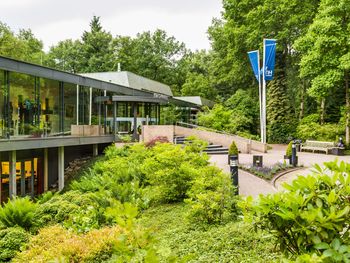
[[302, 101], [347, 120], [323, 103]]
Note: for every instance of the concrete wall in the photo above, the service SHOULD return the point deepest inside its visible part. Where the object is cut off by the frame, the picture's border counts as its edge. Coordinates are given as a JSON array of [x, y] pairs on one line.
[[86, 130], [149, 132], [244, 145]]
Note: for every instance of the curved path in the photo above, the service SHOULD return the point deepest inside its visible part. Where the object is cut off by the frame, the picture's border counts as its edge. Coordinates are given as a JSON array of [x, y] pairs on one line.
[[248, 183], [252, 185]]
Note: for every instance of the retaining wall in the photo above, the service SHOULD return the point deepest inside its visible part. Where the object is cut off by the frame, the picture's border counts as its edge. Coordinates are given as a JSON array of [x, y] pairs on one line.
[[244, 145]]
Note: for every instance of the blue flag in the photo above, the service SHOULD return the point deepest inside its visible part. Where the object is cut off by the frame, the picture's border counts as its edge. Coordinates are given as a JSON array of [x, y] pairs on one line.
[[254, 61], [269, 55]]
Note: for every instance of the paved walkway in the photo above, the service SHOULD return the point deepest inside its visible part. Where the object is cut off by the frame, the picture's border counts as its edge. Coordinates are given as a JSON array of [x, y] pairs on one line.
[[252, 185], [248, 184]]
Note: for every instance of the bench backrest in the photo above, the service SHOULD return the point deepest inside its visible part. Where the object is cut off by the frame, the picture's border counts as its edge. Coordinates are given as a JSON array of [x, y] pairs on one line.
[[319, 144]]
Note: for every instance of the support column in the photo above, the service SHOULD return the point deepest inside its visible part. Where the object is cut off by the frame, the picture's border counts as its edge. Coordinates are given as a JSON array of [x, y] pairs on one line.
[[94, 149], [12, 176], [46, 169], [60, 168], [134, 107], [32, 179], [114, 116], [90, 105], [23, 179]]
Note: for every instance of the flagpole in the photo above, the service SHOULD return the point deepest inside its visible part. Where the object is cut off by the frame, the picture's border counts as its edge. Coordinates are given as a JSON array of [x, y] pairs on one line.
[[260, 100], [264, 98]]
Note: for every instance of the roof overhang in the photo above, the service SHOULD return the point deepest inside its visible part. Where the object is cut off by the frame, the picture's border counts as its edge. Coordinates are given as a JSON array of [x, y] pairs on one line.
[[160, 100]]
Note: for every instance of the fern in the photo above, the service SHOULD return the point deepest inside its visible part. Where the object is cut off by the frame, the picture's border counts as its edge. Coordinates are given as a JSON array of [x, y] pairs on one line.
[[18, 212]]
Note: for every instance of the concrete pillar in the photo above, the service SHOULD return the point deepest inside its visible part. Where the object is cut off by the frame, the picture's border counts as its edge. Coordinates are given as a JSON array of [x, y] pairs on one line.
[[12, 176], [23, 179], [134, 109], [60, 168], [114, 116], [94, 149], [46, 169]]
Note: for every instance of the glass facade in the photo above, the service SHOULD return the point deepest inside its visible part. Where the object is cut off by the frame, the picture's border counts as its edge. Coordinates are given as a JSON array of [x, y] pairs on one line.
[[31, 106], [3, 91], [70, 107], [49, 107], [24, 105]]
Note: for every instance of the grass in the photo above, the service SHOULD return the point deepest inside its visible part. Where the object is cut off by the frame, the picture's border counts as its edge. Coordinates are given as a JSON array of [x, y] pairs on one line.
[[179, 241]]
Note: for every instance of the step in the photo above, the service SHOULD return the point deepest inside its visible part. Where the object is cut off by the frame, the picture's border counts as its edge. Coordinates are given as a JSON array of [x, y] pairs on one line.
[[214, 146], [215, 149], [214, 153]]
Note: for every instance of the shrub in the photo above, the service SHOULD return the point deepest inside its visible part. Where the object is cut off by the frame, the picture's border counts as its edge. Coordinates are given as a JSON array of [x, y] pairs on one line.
[[77, 211], [289, 149], [159, 139], [211, 197], [11, 241], [195, 145], [312, 118], [169, 172], [312, 216], [18, 212], [117, 244], [233, 150], [315, 131]]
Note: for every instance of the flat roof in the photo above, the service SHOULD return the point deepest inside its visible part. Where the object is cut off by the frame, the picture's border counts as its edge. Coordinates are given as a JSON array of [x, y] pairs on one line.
[[131, 80], [197, 100]]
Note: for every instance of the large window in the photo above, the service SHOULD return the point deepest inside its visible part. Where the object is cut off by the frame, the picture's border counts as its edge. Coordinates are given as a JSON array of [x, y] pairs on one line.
[[23, 105], [50, 106], [2, 105], [70, 106], [84, 105]]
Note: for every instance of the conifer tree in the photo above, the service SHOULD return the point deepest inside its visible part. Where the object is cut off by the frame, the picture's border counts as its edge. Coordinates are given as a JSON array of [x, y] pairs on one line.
[[279, 115]]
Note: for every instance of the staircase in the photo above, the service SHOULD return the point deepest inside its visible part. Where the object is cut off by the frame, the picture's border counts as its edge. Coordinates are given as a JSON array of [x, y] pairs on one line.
[[211, 149]]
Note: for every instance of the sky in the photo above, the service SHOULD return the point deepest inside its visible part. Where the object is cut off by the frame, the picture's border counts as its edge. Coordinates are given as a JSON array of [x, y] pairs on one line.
[[55, 20]]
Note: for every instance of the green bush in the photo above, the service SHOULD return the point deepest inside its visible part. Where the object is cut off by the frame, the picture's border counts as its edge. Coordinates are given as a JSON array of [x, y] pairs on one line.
[[312, 118], [18, 212], [312, 216], [194, 144], [11, 241], [289, 149], [75, 210], [211, 197], [233, 150], [315, 131], [169, 171]]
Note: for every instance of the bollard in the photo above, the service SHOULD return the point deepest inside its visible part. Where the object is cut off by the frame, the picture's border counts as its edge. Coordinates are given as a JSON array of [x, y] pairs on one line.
[[234, 170], [294, 155]]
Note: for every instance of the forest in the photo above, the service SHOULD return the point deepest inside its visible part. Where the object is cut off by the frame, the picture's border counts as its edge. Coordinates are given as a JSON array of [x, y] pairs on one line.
[[307, 99]]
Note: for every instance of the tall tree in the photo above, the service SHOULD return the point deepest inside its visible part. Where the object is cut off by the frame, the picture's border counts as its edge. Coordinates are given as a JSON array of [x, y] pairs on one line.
[[325, 54], [24, 46], [154, 55]]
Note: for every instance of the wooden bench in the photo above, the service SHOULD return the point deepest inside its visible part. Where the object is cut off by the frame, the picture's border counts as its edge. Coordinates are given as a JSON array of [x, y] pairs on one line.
[[317, 146]]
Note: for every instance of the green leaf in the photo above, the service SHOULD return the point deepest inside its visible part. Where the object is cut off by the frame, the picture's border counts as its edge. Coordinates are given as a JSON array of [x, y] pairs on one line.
[[321, 245]]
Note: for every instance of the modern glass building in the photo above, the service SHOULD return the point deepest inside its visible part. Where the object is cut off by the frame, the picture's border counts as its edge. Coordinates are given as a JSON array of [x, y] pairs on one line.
[[50, 117]]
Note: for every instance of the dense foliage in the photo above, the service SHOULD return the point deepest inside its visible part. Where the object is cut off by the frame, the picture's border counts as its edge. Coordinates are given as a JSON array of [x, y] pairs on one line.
[[311, 217], [104, 204]]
